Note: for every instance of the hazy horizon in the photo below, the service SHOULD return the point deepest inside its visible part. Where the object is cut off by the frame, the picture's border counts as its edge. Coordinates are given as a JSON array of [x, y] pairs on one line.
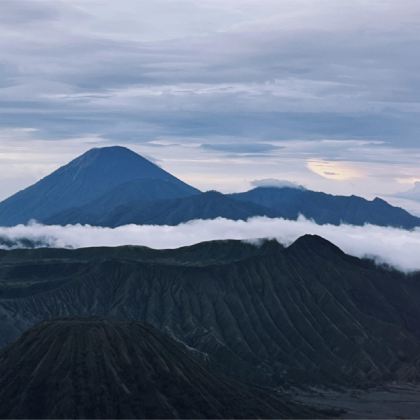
[[413, 206]]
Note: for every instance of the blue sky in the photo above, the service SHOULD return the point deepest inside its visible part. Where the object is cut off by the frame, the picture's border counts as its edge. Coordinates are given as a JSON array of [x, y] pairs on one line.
[[324, 93]]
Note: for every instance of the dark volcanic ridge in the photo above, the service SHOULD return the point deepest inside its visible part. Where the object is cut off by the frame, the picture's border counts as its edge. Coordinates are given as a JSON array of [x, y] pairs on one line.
[[97, 368], [304, 315]]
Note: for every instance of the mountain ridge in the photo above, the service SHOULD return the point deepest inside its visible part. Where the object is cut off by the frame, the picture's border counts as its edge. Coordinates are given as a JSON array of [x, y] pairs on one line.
[[285, 203], [324, 208], [113, 186], [303, 315]]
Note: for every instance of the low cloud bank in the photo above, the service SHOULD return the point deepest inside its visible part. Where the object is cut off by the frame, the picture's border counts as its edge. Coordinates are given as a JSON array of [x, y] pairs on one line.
[[396, 247], [277, 183]]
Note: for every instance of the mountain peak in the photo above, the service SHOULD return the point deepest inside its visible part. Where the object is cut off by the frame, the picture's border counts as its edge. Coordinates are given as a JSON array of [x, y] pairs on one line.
[[213, 194], [150, 376], [315, 243], [379, 200], [111, 154], [84, 179], [110, 149]]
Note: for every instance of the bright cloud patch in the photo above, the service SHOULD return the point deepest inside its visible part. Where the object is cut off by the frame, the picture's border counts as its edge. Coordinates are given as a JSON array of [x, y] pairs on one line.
[[396, 247], [337, 171]]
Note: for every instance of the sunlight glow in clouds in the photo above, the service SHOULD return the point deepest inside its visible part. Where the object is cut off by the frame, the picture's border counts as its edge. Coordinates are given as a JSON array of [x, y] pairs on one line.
[[395, 247], [337, 171]]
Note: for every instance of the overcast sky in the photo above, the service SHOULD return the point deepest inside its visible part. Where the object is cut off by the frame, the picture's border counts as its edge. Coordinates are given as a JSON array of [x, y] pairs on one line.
[[324, 93]]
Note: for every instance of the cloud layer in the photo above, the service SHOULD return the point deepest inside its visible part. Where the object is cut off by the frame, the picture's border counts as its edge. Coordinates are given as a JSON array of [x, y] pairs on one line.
[[395, 247]]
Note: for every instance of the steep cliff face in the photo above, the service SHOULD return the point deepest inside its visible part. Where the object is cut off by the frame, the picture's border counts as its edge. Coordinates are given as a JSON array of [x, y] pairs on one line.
[[96, 368], [308, 314]]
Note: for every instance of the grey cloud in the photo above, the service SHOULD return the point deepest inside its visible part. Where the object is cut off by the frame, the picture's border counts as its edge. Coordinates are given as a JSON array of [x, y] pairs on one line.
[[412, 194], [136, 71], [241, 148], [28, 11]]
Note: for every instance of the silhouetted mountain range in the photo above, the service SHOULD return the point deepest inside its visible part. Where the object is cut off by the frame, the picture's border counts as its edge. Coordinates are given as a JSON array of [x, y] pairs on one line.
[[114, 186], [305, 315], [323, 208], [97, 368], [208, 205]]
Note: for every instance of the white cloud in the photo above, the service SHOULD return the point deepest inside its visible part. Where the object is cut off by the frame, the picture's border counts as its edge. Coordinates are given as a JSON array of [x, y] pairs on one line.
[[273, 182], [337, 171], [395, 247]]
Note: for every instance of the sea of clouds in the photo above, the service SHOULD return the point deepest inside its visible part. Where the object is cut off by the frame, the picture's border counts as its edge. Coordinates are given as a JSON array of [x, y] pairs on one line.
[[396, 247]]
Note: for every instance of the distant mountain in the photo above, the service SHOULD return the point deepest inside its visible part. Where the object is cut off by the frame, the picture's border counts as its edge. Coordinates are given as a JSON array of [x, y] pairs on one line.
[[114, 186], [124, 202], [323, 208], [208, 205], [96, 175], [305, 315], [287, 203], [101, 369]]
